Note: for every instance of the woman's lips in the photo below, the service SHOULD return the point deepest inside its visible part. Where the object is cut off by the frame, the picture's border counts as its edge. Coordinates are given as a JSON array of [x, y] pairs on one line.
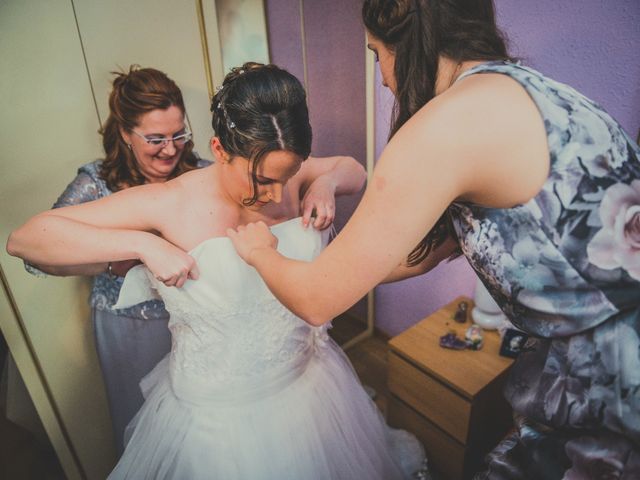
[[167, 161]]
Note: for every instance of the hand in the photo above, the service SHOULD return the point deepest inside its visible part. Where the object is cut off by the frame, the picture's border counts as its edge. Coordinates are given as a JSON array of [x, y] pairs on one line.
[[321, 198], [169, 264], [251, 237], [121, 268]]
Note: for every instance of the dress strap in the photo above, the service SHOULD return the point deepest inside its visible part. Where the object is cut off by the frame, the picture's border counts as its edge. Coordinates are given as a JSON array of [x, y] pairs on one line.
[[486, 67]]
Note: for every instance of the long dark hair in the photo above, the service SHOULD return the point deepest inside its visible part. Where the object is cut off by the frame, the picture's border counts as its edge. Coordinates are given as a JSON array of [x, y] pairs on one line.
[[135, 93], [419, 32], [261, 109]]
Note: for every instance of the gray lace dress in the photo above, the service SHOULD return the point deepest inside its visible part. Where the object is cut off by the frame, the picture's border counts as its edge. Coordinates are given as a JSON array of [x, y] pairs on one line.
[[565, 267], [130, 341]]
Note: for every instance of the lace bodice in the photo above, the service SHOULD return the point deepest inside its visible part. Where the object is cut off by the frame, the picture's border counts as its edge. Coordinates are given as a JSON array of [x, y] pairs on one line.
[[227, 328]]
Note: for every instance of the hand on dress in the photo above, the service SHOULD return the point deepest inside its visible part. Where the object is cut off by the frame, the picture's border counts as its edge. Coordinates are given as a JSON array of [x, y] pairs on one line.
[[169, 264], [120, 269], [251, 237], [320, 198]]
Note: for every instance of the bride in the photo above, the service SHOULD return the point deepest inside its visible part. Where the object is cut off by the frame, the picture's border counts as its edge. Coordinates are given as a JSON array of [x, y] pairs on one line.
[[249, 390]]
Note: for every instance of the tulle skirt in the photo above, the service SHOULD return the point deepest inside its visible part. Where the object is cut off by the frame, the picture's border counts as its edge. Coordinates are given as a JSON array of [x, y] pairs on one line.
[[321, 425]]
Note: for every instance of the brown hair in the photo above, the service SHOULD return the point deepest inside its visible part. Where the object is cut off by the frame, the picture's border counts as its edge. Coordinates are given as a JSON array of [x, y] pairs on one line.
[[261, 109], [419, 32], [135, 93]]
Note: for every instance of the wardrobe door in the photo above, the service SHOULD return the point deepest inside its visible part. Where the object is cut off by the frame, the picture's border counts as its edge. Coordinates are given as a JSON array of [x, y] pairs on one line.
[[49, 125]]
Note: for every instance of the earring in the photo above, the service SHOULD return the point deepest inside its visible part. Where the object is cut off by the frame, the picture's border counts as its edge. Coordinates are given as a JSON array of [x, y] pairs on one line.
[[129, 146]]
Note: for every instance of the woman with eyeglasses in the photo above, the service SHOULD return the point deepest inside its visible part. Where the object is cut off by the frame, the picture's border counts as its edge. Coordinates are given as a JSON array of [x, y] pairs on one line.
[[146, 140]]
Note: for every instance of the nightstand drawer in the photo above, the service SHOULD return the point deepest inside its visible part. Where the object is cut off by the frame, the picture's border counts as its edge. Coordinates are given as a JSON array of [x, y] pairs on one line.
[[443, 452], [437, 402]]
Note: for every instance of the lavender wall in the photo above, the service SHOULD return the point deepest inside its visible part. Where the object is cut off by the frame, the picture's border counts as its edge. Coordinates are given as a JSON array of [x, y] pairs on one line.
[[588, 44], [283, 27], [593, 45]]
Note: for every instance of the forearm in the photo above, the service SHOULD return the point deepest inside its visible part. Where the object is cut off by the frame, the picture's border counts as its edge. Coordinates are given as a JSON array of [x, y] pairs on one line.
[[280, 272], [348, 176], [56, 241], [88, 270], [404, 271]]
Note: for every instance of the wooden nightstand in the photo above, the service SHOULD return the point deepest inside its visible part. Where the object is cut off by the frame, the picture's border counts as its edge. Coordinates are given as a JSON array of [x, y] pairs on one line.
[[451, 399]]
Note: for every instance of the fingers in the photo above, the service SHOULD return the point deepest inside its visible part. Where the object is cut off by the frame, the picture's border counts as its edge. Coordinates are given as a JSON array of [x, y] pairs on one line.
[[325, 217], [187, 271], [307, 214], [321, 216], [194, 273]]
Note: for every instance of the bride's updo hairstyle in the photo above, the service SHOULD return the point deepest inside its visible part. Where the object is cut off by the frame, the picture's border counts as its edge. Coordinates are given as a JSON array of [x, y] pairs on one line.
[[419, 32], [261, 109]]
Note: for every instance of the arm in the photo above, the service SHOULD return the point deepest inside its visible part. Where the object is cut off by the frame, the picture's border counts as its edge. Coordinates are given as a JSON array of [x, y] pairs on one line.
[[403, 271], [70, 270], [83, 188], [119, 269], [110, 229], [321, 180], [460, 146]]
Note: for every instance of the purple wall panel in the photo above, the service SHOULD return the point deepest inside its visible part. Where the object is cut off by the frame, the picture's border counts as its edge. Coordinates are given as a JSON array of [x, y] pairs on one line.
[[283, 27], [593, 45]]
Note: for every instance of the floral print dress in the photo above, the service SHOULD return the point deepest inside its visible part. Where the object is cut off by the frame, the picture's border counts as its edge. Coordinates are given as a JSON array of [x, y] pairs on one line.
[[565, 268]]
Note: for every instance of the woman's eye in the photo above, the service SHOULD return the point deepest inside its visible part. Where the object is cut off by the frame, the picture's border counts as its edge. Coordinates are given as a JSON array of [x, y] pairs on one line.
[[155, 141]]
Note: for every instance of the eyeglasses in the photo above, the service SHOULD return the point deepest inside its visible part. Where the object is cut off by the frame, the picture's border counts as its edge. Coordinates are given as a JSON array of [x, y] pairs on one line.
[[161, 142]]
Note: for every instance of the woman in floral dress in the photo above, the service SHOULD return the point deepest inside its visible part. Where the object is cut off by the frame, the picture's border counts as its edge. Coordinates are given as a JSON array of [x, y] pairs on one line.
[[540, 189]]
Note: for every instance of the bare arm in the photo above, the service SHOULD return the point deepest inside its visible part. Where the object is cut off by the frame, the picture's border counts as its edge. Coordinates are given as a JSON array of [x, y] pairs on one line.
[[458, 147], [67, 270], [118, 269], [403, 271], [110, 229], [321, 180], [82, 189]]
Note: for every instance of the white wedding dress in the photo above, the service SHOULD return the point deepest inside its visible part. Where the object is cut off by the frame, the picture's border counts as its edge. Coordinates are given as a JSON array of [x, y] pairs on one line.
[[249, 390]]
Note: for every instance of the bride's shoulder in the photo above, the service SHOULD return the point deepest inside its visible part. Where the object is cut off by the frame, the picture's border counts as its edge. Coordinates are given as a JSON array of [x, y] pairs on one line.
[[189, 183]]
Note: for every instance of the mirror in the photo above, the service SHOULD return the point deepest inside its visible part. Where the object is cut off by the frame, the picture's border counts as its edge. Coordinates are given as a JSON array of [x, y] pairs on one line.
[[243, 32]]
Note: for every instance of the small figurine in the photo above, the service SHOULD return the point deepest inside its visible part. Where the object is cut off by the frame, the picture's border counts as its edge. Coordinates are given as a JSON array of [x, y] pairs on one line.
[[512, 342], [474, 337], [461, 313], [450, 340]]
